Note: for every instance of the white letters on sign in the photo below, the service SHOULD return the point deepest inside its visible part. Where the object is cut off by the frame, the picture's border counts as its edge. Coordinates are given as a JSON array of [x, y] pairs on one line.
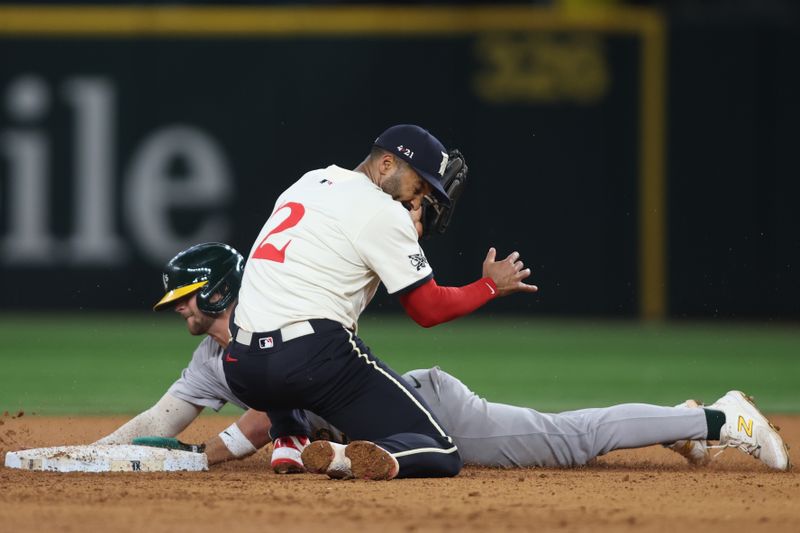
[[92, 234]]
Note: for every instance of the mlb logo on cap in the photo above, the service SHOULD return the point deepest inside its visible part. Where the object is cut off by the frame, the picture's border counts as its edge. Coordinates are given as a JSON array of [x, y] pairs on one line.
[[265, 342], [417, 147]]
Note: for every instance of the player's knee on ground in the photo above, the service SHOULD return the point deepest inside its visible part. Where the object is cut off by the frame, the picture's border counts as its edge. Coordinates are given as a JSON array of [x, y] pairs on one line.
[[431, 465]]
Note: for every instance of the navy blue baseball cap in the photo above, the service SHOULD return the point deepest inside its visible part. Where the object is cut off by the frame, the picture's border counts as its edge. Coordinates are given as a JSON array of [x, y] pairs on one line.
[[421, 150]]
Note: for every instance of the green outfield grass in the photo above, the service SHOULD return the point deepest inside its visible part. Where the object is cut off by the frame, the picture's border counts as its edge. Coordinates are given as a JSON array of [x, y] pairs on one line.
[[120, 363]]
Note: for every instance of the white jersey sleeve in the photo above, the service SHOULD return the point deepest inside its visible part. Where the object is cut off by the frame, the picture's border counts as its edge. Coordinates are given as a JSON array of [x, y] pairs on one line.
[[203, 381], [388, 245]]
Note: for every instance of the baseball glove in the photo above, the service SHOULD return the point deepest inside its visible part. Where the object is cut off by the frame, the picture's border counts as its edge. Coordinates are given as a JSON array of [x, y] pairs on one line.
[[436, 216]]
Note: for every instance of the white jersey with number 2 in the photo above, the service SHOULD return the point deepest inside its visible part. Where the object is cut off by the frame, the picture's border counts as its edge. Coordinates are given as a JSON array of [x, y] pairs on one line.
[[333, 237]]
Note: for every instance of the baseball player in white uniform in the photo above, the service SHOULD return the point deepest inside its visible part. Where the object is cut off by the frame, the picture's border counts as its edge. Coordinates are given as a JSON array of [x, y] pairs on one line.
[[486, 433], [332, 238]]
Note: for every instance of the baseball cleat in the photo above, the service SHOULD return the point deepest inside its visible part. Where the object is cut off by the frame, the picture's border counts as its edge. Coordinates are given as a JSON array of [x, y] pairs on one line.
[[287, 455], [695, 451], [360, 459], [690, 404], [370, 461], [748, 430], [325, 457]]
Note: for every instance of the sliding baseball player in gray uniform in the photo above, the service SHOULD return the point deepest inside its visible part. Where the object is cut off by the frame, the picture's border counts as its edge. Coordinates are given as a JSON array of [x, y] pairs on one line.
[[496, 434], [486, 433]]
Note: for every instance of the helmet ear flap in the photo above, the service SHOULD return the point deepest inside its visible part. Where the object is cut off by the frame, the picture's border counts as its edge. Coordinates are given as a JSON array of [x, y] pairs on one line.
[[204, 303], [227, 287]]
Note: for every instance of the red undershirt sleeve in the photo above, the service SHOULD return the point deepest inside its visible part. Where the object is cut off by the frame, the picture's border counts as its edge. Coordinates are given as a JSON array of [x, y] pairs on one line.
[[430, 304]]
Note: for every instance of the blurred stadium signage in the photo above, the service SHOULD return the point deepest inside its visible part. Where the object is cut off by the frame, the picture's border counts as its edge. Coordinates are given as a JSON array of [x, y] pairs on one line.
[[536, 67], [90, 109], [130, 132]]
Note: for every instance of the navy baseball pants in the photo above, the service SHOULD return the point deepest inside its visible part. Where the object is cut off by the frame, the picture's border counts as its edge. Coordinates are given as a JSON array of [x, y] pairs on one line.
[[333, 374]]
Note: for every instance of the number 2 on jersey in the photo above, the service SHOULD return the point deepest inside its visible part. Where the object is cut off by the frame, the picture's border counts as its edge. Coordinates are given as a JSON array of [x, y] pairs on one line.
[[269, 251]]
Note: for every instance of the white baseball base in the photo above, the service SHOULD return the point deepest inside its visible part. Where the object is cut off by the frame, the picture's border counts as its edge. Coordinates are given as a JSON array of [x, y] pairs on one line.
[[106, 458]]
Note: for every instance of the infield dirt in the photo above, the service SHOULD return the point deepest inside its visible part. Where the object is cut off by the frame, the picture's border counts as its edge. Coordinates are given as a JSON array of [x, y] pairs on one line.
[[650, 489]]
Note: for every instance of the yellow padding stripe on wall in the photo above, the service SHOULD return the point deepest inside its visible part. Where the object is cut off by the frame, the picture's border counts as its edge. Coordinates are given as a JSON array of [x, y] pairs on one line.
[[334, 20]]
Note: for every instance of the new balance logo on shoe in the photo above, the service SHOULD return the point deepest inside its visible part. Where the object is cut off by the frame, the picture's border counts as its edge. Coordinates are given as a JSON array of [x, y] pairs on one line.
[[746, 426]]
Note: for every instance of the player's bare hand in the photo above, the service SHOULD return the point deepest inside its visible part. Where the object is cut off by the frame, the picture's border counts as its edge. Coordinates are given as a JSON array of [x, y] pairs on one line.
[[508, 274], [416, 218]]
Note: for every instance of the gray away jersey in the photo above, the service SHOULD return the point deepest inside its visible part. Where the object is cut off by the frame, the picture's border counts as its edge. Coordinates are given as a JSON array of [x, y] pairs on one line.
[[203, 381]]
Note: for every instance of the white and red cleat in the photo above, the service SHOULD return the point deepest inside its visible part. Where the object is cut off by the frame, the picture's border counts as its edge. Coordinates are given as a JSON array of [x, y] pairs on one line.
[[287, 454]]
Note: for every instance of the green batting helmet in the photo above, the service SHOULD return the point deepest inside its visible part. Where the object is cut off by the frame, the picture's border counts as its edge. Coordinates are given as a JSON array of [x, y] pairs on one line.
[[210, 268]]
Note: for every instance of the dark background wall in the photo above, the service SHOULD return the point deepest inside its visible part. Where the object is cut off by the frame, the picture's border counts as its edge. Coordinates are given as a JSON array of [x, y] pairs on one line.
[[733, 165], [118, 151]]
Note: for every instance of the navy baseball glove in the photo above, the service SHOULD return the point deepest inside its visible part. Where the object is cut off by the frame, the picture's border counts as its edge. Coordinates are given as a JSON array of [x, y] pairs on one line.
[[435, 215]]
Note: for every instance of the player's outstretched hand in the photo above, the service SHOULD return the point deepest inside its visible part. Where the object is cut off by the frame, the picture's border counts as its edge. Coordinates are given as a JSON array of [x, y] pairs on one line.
[[507, 274]]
